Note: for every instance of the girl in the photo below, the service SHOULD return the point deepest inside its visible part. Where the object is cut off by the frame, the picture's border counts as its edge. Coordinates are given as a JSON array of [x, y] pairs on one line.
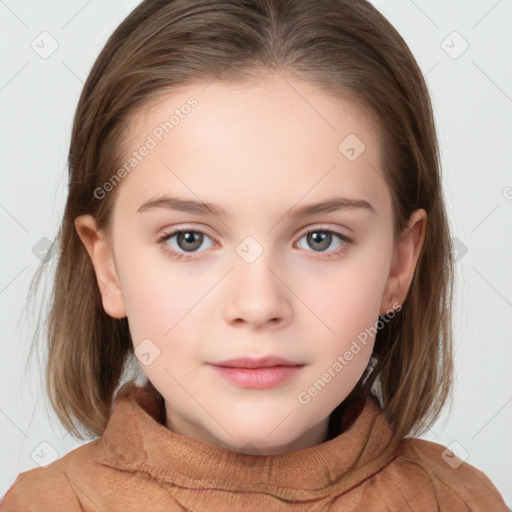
[[255, 217]]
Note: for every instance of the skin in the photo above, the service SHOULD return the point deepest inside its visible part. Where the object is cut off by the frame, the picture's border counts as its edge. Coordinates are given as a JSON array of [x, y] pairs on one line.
[[258, 150]]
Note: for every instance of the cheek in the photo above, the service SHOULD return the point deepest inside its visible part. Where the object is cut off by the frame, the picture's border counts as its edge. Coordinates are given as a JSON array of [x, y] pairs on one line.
[[346, 303], [348, 297], [156, 294], [160, 309]]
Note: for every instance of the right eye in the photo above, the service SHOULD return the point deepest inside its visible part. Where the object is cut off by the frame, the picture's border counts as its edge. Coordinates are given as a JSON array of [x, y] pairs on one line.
[[182, 242]]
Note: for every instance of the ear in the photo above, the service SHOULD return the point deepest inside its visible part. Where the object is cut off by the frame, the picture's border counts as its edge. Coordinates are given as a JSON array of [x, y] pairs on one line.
[[100, 251], [405, 257]]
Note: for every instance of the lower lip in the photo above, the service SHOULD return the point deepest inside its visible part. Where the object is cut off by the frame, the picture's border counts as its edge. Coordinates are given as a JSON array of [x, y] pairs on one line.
[[258, 378]]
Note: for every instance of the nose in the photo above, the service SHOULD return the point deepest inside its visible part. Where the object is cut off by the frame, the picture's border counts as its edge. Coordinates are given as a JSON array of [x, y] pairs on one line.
[[257, 295]]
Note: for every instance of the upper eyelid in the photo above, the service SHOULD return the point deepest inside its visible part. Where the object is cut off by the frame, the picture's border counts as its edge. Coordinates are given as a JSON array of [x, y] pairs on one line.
[[318, 227], [324, 228]]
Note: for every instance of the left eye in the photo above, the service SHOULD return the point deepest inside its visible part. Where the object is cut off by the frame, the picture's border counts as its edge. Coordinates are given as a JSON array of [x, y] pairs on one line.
[[321, 239]]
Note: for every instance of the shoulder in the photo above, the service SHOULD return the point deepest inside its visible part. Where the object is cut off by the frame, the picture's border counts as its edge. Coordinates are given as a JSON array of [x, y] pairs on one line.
[[435, 475], [51, 487]]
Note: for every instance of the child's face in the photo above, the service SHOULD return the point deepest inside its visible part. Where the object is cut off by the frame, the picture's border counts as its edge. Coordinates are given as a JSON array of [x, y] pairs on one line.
[[255, 284]]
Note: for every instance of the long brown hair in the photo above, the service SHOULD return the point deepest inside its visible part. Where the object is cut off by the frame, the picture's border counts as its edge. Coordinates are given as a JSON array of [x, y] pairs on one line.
[[346, 48]]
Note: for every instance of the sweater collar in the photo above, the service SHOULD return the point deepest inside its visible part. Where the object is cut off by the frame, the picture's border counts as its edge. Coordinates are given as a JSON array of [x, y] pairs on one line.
[[136, 439]]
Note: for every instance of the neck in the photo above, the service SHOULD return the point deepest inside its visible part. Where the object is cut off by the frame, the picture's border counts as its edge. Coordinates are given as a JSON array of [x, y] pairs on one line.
[[312, 437]]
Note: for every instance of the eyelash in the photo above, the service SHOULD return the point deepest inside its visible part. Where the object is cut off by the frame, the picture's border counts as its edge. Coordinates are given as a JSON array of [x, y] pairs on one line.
[[347, 242]]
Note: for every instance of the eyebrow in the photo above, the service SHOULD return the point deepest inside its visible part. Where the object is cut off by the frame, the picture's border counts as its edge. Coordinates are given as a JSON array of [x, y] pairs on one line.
[[205, 208]]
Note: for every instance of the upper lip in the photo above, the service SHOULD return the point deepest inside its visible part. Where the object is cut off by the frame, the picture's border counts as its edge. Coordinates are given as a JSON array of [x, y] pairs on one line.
[[251, 362]]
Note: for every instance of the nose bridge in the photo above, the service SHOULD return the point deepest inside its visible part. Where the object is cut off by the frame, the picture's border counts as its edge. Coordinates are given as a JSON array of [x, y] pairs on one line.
[[256, 293]]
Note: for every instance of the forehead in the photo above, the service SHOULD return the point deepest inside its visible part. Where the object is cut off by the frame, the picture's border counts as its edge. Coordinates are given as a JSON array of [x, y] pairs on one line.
[[243, 143]]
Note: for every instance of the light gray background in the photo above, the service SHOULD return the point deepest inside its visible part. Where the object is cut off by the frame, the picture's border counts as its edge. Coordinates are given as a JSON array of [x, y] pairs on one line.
[[472, 96]]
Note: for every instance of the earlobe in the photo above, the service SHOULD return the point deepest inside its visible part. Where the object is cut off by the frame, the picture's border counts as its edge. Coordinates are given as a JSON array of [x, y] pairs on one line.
[[405, 258], [100, 251]]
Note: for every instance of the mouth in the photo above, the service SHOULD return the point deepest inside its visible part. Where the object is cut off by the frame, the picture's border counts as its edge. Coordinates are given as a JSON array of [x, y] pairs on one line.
[[257, 373]]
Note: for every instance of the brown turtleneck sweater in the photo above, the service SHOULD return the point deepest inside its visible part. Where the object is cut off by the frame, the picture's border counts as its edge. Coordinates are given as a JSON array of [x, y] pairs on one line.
[[140, 465]]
